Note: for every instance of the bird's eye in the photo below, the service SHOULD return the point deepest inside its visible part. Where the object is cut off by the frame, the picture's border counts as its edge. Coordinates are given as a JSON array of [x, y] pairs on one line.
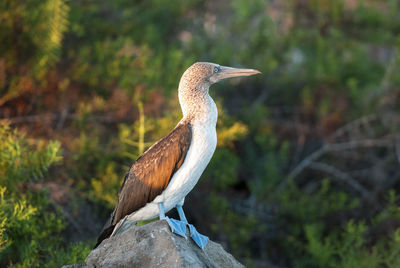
[[216, 69]]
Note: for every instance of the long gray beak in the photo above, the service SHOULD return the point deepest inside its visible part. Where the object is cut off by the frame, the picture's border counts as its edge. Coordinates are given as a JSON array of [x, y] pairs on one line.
[[228, 72]]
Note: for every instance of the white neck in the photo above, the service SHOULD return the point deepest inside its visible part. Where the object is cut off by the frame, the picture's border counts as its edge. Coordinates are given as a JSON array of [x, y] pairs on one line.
[[197, 105]]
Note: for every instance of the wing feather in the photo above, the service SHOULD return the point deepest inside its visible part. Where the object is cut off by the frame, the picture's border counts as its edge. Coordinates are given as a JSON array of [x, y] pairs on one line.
[[150, 174]]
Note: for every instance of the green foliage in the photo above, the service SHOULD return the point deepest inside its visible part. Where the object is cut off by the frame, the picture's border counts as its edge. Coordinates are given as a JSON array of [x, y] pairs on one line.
[[349, 248], [74, 253], [222, 170], [144, 46], [240, 228], [21, 164], [54, 21], [37, 28], [275, 155], [20, 213], [31, 34], [105, 186], [29, 230], [306, 209], [315, 241], [28, 224]]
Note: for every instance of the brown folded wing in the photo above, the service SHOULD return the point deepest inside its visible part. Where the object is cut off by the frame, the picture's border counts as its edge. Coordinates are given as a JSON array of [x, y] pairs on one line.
[[151, 173]]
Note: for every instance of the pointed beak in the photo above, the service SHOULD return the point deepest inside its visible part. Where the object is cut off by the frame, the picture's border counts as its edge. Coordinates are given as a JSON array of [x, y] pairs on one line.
[[229, 72]]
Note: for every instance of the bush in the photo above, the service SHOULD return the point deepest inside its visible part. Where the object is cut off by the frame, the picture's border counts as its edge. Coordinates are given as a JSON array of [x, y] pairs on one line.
[[29, 224]]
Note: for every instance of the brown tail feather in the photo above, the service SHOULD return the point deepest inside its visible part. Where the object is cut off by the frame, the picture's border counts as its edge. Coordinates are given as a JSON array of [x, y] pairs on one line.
[[105, 234]]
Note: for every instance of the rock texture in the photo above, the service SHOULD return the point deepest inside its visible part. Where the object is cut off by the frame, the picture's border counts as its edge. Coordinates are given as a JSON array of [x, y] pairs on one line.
[[153, 245]]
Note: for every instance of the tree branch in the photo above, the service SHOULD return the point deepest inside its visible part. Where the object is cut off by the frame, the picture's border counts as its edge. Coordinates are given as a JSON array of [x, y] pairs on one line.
[[341, 176], [333, 148]]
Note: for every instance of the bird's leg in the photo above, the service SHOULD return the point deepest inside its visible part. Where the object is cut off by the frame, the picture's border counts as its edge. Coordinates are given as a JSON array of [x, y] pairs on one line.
[[181, 214], [161, 210], [176, 226], [199, 239]]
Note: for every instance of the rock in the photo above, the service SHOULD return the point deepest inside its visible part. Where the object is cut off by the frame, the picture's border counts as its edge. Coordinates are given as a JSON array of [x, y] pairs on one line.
[[154, 245]]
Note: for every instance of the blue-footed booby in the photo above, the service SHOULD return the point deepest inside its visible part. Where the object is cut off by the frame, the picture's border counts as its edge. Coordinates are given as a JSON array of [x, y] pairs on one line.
[[160, 179]]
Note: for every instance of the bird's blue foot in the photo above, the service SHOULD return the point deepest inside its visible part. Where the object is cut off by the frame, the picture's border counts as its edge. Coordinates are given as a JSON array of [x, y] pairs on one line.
[[177, 226], [199, 239]]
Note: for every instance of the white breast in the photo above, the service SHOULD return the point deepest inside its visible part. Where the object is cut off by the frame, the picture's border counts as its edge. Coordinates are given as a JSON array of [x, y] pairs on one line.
[[202, 147]]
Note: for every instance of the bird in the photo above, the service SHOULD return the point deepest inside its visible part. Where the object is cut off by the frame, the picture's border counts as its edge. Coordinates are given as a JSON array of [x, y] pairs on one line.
[[164, 174]]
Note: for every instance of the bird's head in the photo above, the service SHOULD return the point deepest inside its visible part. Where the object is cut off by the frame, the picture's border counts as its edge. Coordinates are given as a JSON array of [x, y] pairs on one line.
[[204, 74], [195, 101]]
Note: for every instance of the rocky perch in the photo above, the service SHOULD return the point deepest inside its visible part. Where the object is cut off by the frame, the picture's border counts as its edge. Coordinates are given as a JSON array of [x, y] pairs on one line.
[[154, 245]]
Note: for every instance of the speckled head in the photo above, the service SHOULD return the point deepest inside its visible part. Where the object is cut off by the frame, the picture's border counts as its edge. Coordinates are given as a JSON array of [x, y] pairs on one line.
[[203, 74], [196, 103]]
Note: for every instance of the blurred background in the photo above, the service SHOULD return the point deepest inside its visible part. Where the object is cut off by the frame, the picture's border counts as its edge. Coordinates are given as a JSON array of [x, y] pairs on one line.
[[307, 168]]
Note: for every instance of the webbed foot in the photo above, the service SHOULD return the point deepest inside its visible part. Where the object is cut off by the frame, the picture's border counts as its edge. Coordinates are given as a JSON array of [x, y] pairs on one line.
[[199, 239], [177, 226]]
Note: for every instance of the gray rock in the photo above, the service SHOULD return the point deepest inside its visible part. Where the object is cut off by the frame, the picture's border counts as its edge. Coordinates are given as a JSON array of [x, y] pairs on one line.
[[153, 245]]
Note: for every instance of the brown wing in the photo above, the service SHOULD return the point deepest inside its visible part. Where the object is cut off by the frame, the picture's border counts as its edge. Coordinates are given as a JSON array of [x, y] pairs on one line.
[[151, 173]]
